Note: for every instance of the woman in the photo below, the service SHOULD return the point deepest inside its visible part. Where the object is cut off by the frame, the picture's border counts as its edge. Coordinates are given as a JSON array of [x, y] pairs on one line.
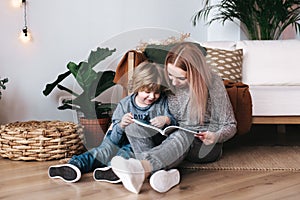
[[200, 102]]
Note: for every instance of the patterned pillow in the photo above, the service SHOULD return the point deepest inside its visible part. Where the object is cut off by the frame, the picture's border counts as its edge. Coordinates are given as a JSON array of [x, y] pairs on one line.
[[226, 63]]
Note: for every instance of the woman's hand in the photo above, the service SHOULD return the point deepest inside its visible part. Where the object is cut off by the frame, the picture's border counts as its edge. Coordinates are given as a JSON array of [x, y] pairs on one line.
[[126, 120], [207, 137], [160, 121]]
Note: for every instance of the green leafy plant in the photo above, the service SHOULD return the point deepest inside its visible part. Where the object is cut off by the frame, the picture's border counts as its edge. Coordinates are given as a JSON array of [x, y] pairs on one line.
[[2, 85], [259, 19], [92, 83]]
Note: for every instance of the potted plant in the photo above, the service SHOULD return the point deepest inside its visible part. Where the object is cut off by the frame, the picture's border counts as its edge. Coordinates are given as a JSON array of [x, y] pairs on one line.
[[2, 85], [259, 20], [91, 112]]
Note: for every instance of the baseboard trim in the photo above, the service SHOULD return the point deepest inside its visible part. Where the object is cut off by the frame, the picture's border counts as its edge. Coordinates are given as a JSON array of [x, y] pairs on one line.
[[276, 120]]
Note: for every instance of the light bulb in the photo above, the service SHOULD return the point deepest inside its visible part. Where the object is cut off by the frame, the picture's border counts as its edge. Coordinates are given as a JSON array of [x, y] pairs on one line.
[[16, 3], [25, 35]]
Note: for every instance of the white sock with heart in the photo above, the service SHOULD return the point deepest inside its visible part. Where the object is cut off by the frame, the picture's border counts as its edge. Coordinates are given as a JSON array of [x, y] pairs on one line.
[[131, 172], [162, 181]]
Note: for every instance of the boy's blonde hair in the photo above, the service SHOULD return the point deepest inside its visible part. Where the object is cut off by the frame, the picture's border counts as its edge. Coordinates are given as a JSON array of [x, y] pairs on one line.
[[148, 76]]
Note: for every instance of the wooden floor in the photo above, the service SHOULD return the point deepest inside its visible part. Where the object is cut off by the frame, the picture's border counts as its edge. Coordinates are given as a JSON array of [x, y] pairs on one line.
[[29, 180]]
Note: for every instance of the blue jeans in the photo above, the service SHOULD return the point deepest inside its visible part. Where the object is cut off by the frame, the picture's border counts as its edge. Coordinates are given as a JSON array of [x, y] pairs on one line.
[[100, 156]]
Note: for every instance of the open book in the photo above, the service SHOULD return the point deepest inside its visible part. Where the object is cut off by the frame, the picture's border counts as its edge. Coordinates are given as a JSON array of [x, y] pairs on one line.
[[166, 131]]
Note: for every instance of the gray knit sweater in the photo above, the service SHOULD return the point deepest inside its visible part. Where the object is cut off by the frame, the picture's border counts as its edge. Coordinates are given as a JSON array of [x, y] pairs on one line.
[[127, 104], [219, 117]]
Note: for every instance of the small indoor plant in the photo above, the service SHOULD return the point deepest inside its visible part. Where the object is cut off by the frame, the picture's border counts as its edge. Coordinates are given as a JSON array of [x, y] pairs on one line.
[[2, 85], [259, 19], [92, 84]]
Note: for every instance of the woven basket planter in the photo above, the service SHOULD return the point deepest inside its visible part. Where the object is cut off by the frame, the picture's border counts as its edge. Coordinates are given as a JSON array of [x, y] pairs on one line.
[[40, 140]]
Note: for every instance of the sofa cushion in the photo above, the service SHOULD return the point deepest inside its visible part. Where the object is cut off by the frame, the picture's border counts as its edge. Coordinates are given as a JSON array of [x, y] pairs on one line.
[[226, 63], [272, 62], [241, 102]]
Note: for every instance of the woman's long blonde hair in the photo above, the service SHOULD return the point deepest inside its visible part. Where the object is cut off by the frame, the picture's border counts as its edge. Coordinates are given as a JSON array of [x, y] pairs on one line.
[[190, 57]]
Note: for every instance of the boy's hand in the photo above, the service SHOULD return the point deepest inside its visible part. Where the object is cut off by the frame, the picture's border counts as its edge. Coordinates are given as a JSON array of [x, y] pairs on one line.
[[160, 121], [126, 120]]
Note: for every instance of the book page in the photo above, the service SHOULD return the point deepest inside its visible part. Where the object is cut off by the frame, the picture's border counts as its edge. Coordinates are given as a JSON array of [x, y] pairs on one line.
[[168, 130]]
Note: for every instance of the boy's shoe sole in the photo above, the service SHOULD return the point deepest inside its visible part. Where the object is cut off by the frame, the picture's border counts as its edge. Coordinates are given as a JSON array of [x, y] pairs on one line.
[[162, 181], [66, 172], [106, 174]]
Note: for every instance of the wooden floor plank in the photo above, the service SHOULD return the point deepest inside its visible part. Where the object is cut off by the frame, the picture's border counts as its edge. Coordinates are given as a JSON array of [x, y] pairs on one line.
[[29, 180]]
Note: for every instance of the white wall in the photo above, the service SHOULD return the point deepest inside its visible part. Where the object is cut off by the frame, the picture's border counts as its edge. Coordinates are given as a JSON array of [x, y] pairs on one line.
[[67, 30]]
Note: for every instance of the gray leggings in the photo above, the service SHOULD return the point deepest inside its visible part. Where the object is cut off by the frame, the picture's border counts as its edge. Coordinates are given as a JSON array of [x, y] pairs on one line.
[[172, 151]]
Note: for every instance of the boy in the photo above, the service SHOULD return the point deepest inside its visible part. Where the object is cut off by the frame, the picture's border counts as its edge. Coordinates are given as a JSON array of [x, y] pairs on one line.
[[146, 104]]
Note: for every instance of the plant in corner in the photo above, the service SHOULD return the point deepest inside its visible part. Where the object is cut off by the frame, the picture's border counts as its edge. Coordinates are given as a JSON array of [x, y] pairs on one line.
[[2, 85], [92, 84], [259, 19]]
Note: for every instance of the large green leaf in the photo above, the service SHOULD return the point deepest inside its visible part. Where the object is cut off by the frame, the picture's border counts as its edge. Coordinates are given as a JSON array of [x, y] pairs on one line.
[[105, 82], [49, 87], [61, 87], [83, 73], [85, 100], [97, 56], [92, 83]]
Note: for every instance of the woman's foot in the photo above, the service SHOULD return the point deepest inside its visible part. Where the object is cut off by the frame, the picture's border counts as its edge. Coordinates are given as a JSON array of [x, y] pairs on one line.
[[131, 173], [106, 174], [66, 172], [162, 181]]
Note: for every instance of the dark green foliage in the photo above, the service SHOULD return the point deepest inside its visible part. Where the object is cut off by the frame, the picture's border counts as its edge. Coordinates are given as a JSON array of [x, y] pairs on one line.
[[259, 19], [2, 85], [92, 83], [158, 52]]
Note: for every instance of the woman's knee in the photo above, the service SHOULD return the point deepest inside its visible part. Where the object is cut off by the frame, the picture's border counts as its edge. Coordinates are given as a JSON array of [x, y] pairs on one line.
[[200, 153]]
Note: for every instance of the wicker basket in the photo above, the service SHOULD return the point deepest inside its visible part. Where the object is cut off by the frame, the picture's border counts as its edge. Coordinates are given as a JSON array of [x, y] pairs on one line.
[[40, 140]]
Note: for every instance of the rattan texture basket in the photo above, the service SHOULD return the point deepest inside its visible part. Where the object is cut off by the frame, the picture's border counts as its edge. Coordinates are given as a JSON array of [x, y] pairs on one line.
[[40, 140]]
